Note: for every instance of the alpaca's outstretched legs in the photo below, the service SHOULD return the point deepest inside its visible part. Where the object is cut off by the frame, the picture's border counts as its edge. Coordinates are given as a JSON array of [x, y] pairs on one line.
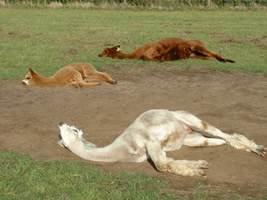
[[205, 54], [199, 51], [195, 139], [80, 83], [180, 167], [237, 141], [100, 76], [84, 84]]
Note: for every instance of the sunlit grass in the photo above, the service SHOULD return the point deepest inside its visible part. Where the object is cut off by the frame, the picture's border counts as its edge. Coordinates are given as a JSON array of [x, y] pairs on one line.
[[48, 39], [25, 178]]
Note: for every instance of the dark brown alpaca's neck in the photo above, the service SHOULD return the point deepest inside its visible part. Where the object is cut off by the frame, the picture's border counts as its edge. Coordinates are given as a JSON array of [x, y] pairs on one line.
[[122, 55]]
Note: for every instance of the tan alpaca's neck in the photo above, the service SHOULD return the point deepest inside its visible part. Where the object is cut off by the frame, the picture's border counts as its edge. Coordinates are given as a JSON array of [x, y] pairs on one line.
[[46, 81]]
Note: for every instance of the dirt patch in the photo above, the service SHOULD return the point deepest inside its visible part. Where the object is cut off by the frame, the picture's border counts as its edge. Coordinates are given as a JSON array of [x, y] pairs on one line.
[[260, 42], [231, 102], [71, 52]]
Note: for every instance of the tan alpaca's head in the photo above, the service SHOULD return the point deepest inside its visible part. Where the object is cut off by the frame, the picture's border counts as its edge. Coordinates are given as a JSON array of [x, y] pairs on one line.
[[31, 78], [68, 134], [110, 52]]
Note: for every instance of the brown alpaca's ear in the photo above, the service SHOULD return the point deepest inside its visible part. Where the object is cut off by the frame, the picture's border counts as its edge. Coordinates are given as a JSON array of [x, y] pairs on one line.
[[32, 72]]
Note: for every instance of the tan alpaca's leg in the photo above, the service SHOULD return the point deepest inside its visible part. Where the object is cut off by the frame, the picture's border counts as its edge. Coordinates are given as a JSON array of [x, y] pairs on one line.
[[80, 83], [84, 84], [99, 76], [180, 167]]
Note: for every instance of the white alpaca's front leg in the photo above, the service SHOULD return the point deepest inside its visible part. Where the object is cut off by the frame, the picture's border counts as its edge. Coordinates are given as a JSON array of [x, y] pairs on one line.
[[179, 167]]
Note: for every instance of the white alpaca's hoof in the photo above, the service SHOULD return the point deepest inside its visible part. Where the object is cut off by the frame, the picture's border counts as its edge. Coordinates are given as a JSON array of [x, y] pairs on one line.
[[239, 141], [198, 172], [261, 150], [203, 164]]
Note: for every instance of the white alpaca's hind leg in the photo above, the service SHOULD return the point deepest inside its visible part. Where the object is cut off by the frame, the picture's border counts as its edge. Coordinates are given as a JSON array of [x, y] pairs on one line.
[[235, 140], [180, 167], [195, 139]]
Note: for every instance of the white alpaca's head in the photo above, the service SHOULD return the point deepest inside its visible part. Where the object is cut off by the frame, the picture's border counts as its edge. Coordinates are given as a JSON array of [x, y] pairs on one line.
[[69, 134]]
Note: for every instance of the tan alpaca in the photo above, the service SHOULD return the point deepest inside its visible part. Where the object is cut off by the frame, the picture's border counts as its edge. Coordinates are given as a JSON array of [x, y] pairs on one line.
[[168, 49], [76, 75], [151, 135]]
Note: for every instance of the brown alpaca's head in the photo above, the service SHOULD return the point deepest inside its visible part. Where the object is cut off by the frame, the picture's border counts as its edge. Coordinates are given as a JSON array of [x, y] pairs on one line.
[[31, 78], [110, 52]]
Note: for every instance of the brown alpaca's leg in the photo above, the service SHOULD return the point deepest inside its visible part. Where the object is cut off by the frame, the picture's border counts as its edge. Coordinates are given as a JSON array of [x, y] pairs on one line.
[[199, 51], [201, 57], [203, 53]]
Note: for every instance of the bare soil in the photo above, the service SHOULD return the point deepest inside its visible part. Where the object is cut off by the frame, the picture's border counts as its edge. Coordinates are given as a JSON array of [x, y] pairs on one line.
[[232, 102]]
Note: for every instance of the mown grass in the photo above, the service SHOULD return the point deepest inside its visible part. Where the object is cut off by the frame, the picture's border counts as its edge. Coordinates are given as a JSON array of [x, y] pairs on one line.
[[48, 39]]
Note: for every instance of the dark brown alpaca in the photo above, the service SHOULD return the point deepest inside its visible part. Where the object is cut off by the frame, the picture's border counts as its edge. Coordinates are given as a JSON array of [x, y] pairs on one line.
[[168, 49]]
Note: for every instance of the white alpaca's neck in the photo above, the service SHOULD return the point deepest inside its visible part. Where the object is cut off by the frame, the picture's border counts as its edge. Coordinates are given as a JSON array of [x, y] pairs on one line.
[[103, 154]]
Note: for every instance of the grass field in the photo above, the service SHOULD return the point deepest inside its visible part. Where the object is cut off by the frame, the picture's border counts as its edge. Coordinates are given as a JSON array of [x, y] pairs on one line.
[[47, 39]]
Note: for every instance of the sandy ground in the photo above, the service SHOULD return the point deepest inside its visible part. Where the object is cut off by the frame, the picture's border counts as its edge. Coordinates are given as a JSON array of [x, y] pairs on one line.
[[231, 102]]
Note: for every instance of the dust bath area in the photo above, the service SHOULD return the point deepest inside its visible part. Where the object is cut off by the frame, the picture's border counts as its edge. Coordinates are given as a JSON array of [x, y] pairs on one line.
[[231, 102]]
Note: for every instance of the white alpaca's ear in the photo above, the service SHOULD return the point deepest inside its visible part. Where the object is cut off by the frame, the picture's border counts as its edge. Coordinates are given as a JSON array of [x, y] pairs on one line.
[[80, 134], [118, 48], [61, 143]]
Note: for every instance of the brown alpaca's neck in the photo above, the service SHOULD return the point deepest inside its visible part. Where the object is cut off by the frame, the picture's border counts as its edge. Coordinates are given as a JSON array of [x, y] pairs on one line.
[[122, 55], [45, 81]]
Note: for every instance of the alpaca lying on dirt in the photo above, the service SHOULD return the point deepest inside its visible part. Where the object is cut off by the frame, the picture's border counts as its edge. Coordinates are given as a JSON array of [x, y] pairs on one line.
[[151, 135], [168, 49], [76, 75]]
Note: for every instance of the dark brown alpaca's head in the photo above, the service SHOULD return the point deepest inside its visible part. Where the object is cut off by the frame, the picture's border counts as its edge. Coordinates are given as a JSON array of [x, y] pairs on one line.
[[110, 52]]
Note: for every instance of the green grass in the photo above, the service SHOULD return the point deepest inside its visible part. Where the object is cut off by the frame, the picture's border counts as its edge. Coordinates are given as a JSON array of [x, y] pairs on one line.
[[25, 178], [48, 39]]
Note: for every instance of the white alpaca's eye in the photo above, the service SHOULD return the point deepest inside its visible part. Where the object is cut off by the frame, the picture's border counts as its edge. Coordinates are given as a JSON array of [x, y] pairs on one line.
[[75, 130]]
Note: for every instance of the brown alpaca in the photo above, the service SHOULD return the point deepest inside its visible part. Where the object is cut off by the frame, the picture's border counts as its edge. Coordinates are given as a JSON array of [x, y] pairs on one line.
[[76, 75], [168, 49]]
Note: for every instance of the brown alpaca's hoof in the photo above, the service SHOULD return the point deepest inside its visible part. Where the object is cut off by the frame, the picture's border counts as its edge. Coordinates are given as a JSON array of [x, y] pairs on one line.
[[114, 82]]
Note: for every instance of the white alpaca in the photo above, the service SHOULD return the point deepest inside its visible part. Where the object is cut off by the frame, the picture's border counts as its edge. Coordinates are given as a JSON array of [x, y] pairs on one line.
[[151, 135]]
